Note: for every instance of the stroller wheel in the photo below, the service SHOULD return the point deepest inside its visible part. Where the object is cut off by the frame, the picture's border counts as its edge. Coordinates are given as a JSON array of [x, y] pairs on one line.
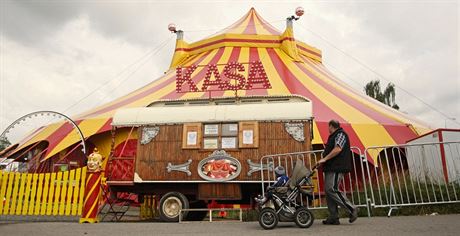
[[303, 217], [268, 218]]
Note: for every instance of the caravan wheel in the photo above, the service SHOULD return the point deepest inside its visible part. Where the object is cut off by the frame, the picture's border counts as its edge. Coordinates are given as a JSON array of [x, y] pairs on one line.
[[170, 206]]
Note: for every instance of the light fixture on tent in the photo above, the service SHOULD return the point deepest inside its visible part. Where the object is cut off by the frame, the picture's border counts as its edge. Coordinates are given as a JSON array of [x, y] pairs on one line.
[[298, 12], [172, 28]]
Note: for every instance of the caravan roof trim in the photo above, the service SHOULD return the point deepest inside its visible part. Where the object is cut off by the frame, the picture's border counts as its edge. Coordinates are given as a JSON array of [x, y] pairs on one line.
[[288, 110]]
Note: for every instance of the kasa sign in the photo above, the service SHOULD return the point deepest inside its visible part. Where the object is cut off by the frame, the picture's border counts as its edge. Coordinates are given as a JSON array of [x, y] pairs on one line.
[[230, 78]]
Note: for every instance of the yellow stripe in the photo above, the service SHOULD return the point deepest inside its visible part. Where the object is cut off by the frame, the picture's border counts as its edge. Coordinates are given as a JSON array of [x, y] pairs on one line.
[[39, 202], [278, 86], [239, 29], [91, 209], [244, 40], [88, 127], [57, 193], [369, 131], [45, 194], [371, 103], [259, 26], [32, 194], [156, 82], [316, 135], [42, 135], [50, 205], [345, 89], [223, 59], [168, 89], [164, 78], [76, 192], [15, 193], [8, 193], [65, 181], [4, 180], [95, 185], [82, 190], [243, 57], [28, 189], [21, 193], [70, 182]]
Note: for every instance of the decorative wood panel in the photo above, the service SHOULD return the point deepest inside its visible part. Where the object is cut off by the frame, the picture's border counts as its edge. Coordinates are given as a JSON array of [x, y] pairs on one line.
[[153, 158], [221, 191]]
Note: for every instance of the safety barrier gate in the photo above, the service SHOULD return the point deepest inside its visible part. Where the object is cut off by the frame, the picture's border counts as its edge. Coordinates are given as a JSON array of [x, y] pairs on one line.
[[385, 176], [46, 194], [353, 183]]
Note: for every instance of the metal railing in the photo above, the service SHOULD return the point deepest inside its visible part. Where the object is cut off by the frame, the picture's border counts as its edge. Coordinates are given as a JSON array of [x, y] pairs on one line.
[[353, 183], [384, 176], [414, 174]]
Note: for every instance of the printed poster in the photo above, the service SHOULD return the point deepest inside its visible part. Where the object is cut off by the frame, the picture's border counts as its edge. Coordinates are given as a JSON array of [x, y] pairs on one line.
[[248, 137]]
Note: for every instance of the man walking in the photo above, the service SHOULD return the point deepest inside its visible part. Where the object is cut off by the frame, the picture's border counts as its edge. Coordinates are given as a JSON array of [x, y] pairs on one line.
[[336, 162]]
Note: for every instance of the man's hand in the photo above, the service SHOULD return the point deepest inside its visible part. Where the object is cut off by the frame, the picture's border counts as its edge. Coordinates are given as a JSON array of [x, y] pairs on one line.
[[321, 161]]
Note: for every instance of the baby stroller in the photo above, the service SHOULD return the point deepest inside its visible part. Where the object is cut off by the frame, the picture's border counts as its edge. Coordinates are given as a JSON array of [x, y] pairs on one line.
[[282, 205]]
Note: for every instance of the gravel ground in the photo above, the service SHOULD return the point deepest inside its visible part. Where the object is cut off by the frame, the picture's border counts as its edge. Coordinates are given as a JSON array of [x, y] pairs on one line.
[[403, 225]]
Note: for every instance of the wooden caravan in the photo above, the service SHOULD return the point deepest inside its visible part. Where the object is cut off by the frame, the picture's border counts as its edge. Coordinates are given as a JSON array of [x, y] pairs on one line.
[[193, 151]]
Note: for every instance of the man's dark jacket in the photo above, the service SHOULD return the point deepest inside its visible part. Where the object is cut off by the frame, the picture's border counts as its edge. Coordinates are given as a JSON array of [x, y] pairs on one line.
[[341, 163]]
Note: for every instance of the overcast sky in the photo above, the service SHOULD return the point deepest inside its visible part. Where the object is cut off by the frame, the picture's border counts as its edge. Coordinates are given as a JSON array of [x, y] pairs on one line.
[[54, 53]]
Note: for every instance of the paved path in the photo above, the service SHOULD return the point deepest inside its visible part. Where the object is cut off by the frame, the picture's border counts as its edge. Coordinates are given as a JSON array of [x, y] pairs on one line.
[[404, 225]]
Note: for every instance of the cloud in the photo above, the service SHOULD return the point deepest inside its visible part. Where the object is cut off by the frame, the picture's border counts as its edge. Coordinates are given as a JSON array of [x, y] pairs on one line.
[[54, 53]]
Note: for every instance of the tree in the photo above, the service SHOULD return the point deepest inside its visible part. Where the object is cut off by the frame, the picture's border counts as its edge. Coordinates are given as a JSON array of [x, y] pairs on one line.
[[388, 96], [4, 143]]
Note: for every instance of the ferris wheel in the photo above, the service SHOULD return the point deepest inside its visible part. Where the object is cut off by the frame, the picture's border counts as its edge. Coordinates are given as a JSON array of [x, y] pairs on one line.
[[55, 116]]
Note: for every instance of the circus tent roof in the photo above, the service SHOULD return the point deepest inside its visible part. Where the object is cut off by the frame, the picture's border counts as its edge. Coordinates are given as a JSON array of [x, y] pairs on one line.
[[293, 67]]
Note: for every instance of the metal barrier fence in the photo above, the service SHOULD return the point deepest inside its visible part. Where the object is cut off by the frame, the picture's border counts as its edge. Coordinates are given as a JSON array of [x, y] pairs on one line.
[[384, 176], [353, 183], [414, 174]]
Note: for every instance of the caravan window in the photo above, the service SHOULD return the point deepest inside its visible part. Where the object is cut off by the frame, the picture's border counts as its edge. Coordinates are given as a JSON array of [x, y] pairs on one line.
[[224, 136]]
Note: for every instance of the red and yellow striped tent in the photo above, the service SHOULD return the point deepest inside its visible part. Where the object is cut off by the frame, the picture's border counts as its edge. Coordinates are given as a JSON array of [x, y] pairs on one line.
[[292, 66]]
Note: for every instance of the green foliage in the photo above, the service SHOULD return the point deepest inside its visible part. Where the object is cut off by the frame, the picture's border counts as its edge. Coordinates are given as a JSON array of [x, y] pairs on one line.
[[4, 143], [387, 96]]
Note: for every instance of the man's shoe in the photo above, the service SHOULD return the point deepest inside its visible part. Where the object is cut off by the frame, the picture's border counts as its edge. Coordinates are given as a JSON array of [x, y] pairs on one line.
[[331, 221], [353, 215]]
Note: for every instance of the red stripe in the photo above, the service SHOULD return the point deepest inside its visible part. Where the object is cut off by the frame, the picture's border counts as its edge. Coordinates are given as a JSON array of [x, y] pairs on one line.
[[308, 50], [250, 28], [106, 127], [328, 74], [230, 40], [443, 157], [322, 112], [29, 137], [254, 56], [142, 94], [236, 24], [233, 57], [350, 101], [196, 78], [400, 133], [56, 137], [397, 130], [267, 26], [287, 39]]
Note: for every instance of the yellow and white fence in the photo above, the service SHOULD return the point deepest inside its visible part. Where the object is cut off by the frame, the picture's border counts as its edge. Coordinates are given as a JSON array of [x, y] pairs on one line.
[[46, 194]]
